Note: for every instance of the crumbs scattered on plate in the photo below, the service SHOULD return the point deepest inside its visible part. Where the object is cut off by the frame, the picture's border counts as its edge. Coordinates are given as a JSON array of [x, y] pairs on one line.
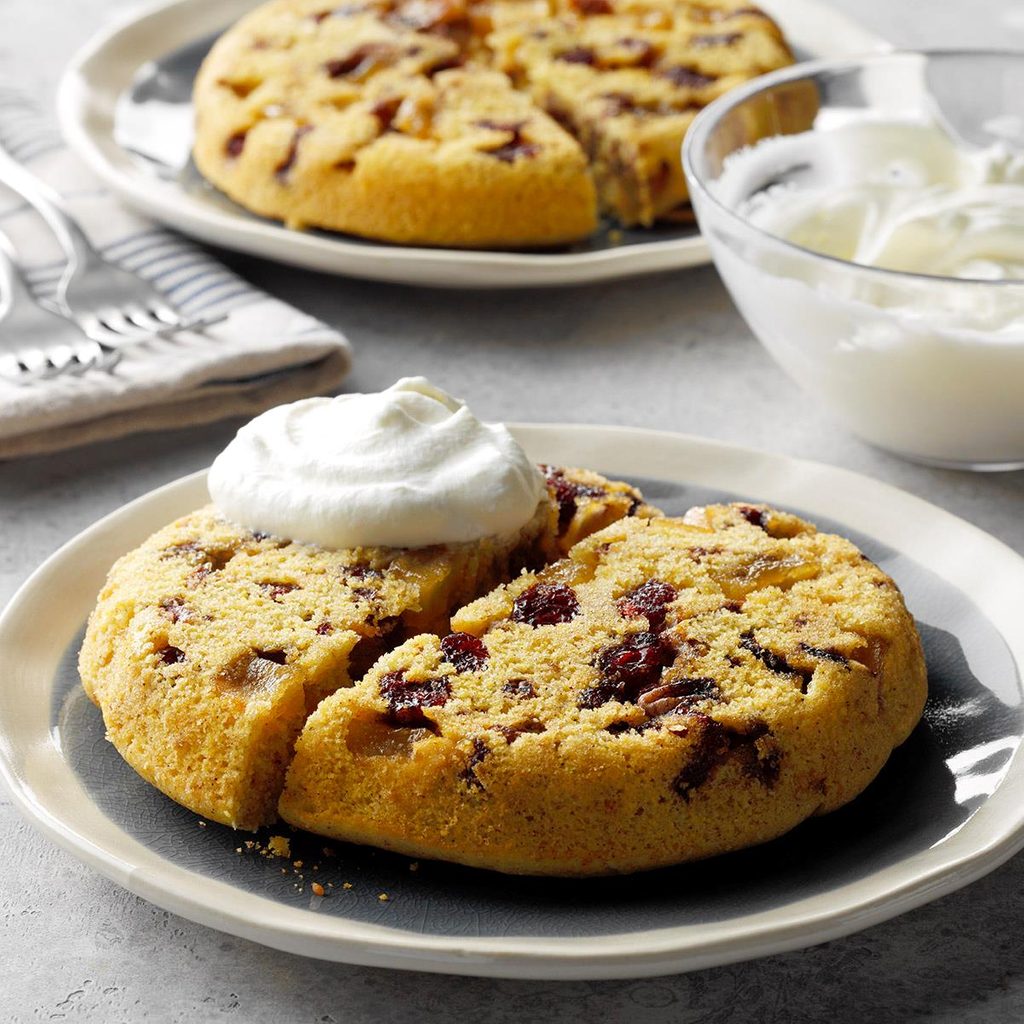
[[280, 847]]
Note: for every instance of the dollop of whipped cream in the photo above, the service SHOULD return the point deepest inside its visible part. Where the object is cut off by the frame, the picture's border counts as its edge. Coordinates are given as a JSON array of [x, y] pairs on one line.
[[897, 195], [408, 467]]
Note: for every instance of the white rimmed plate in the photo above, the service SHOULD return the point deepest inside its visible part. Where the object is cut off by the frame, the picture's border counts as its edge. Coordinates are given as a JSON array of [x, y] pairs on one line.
[[948, 808], [167, 39]]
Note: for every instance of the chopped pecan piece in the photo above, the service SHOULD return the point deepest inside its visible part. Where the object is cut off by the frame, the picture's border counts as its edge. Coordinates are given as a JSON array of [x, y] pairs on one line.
[[283, 169], [523, 689], [361, 61], [514, 147], [719, 39], [578, 55], [678, 696], [752, 745], [175, 610], [480, 753], [514, 731], [385, 111], [775, 662], [826, 653]]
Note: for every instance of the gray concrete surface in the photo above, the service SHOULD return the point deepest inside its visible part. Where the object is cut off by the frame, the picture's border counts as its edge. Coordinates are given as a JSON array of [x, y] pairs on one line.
[[668, 352]]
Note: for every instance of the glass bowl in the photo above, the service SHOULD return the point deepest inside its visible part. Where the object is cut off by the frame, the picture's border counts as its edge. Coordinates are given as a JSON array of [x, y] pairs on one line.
[[931, 368]]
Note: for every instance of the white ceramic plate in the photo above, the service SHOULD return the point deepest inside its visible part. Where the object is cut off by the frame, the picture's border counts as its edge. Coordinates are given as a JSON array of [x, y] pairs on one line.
[[948, 808], [102, 73]]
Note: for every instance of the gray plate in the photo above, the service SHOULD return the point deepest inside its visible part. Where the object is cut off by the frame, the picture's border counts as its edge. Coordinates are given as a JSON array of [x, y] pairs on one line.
[[931, 786], [126, 93]]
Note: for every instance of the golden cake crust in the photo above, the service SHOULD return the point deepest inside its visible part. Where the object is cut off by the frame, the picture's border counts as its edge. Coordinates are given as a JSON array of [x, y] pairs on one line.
[[430, 121], [209, 644], [674, 689]]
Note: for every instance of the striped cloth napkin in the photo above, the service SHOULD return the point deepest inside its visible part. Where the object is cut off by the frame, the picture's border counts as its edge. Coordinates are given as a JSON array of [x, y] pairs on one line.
[[265, 352]]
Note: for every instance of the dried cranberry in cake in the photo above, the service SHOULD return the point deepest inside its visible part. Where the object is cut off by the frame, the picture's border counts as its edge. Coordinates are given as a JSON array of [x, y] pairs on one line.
[[194, 552], [170, 655], [567, 493], [545, 604], [592, 7], [275, 591], [324, 629], [235, 144], [629, 668], [753, 515], [465, 651], [686, 78], [650, 600], [578, 55], [406, 698], [618, 103], [512, 151]]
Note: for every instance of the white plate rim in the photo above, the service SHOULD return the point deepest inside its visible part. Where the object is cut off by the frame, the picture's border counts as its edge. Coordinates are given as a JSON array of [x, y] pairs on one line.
[[102, 69], [984, 569]]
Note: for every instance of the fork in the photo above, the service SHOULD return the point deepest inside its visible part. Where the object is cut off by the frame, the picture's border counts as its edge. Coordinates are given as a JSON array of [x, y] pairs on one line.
[[35, 342], [110, 304]]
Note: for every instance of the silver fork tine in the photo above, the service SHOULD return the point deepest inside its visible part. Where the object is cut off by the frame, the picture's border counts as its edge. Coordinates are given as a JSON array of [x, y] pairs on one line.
[[91, 285], [162, 312], [39, 343], [145, 319]]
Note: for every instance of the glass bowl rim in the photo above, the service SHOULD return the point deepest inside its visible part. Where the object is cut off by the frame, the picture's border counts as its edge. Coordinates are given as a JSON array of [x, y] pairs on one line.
[[714, 112]]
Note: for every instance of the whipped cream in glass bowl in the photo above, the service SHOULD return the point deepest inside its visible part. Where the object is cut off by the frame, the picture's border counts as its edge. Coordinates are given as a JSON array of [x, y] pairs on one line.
[[867, 216], [407, 467]]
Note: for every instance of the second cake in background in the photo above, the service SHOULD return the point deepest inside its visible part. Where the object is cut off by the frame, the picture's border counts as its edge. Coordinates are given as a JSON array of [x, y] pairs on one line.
[[474, 123]]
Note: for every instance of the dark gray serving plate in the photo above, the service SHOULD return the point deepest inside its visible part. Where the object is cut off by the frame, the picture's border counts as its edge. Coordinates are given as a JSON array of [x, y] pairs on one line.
[[928, 790], [948, 807]]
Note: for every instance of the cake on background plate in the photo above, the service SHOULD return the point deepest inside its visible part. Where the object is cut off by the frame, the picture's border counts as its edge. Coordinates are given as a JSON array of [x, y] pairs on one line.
[[473, 123]]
